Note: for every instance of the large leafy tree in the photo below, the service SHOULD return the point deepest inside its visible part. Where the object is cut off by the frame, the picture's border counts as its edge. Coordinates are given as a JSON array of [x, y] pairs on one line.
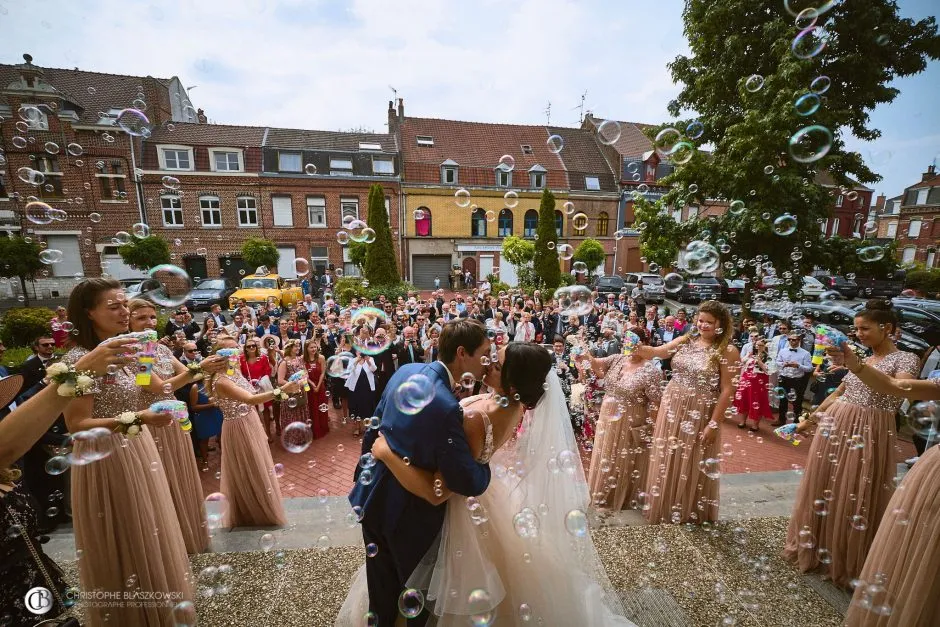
[[20, 259], [545, 262], [145, 253], [381, 268], [840, 255], [591, 253], [753, 125], [520, 253], [257, 252], [660, 235]]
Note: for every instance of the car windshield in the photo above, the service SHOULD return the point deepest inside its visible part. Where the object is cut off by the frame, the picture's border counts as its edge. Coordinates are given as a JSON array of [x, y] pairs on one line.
[[253, 283], [211, 284], [652, 279], [811, 282], [610, 280]]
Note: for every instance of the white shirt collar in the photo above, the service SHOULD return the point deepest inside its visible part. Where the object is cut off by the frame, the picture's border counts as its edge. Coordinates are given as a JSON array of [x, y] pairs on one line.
[[450, 377]]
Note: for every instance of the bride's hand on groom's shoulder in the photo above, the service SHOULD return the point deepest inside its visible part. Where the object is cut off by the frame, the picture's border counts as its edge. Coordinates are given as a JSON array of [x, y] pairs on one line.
[[380, 449]]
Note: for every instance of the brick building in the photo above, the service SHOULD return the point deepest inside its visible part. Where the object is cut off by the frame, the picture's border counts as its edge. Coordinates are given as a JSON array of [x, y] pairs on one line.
[[290, 186], [63, 124], [850, 208], [918, 231], [440, 157]]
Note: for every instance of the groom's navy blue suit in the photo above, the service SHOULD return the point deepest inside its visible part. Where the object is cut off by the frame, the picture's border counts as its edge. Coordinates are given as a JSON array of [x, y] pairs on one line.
[[402, 525]]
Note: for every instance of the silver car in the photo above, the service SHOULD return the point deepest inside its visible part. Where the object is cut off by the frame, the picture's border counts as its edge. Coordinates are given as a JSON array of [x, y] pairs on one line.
[[653, 286]]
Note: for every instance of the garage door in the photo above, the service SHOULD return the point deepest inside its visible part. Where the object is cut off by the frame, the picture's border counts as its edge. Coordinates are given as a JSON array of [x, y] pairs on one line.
[[113, 264], [425, 267], [285, 263], [71, 262]]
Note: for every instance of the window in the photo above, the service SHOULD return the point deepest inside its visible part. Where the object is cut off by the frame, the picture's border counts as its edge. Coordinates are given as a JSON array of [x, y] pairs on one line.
[[559, 223], [210, 210], [931, 258], [383, 166], [283, 211], [526, 149], [478, 223], [425, 140], [603, 224], [111, 181], [341, 166], [582, 231], [423, 222], [530, 223], [504, 226], [247, 211], [677, 214], [839, 199], [172, 210], [913, 230], [289, 162], [922, 196], [908, 255], [349, 207], [47, 164], [835, 227], [177, 159], [226, 161], [592, 182], [3, 185], [316, 211], [824, 225], [537, 180], [71, 254], [692, 213], [349, 268], [503, 177], [34, 117], [857, 227], [892, 230], [319, 259], [369, 146], [448, 175]]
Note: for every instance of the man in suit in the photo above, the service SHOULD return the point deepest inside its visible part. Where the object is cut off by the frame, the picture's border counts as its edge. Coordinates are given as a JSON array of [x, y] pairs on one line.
[[795, 365], [216, 312], [266, 327], [326, 281], [609, 345], [410, 351], [403, 526], [34, 368]]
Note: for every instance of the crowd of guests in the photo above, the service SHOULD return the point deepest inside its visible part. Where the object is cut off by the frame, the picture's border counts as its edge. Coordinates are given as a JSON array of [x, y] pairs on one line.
[[651, 415]]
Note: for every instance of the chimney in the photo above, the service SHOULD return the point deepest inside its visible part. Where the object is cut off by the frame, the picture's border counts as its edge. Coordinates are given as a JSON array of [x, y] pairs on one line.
[[930, 173], [201, 116], [29, 73], [880, 202], [401, 112]]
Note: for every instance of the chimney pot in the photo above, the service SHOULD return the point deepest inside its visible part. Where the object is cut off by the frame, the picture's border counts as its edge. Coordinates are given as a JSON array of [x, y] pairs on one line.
[[931, 171]]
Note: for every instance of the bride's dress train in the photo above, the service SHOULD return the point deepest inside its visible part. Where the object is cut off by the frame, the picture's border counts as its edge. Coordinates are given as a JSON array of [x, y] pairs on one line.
[[521, 551]]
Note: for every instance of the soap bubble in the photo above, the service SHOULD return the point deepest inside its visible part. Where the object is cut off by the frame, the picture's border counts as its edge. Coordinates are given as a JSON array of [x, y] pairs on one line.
[[574, 300], [340, 365], [506, 163], [869, 254], [462, 198], [140, 230], [173, 285], [576, 523], [565, 251], [810, 144], [785, 224], [820, 85], [310, 169], [301, 266], [38, 212], [134, 122], [555, 144], [694, 130], [807, 104], [414, 394], [754, 83], [50, 256], [608, 132], [673, 282], [410, 603], [511, 199], [809, 42], [376, 341]]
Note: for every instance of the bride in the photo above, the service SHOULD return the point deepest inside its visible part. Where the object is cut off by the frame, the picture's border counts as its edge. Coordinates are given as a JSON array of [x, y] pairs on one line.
[[521, 552]]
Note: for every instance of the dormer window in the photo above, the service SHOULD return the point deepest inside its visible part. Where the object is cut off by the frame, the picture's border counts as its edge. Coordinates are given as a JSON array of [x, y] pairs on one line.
[[34, 117], [175, 157], [592, 183], [226, 160], [503, 177], [537, 177], [341, 166], [425, 140], [369, 146], [526, 149], [449, 172]]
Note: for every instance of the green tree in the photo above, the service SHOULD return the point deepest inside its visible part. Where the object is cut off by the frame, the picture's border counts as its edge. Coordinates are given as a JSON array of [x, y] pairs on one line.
[[748, 121], [545, 261], [20, 259], [591, 252], [258, 252], [357, 254], [381, 268], [661, 236], [145, 253], [840, 255], [520, 253]]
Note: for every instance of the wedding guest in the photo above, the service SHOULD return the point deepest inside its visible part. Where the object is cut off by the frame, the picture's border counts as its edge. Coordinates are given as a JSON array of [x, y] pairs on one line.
[[206, 419], [295, 408], [632, 395], [683, 481], [251, 489], [850, 468], [315, 364], [794, 365], [525, 329], [256, 367], [752, 400], [362, 390], [828, 376], [206, 335], [410, 350], [60, 326]]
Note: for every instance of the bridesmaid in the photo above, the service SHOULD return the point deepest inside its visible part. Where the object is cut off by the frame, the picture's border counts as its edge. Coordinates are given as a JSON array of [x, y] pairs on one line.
[[173, 444], [248, 481], [255, 366], [902, 570], [293, 410], [684, 463], [315, 364], [620, 458], [122, 509], [850, 472]]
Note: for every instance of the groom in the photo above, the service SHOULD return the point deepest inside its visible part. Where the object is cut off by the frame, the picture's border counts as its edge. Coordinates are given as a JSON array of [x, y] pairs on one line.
[[402, 525]]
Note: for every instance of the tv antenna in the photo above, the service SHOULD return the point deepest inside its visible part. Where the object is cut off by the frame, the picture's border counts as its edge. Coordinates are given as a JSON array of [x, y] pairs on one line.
[[580, 107], [395, 93], [548, 113]]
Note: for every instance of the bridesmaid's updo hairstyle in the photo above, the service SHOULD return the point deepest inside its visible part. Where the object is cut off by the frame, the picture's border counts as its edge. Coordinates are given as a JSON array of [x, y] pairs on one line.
[[525, 366], [879, 311], [84, 297]]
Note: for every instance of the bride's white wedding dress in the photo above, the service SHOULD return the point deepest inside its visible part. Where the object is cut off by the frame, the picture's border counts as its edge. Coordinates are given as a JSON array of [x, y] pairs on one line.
[[521, 552]]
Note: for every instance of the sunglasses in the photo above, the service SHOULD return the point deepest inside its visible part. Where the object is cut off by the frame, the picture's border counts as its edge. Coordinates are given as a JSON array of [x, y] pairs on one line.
[[44, 345]]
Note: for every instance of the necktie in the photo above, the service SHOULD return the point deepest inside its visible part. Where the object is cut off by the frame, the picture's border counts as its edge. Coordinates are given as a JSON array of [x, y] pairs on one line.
[[411, 351]]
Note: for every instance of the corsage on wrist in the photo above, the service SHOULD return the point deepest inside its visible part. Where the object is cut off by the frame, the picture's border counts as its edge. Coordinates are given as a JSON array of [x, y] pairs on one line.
[[129, 423], [195, 369], [280, 395], [71, 382]]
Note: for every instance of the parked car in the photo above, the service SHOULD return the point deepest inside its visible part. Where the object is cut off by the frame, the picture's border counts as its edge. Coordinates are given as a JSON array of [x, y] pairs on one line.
[[881, 288], [848, 288], [699, 288], [211, 292], [611, 284], [731, 290], [147, 290], [917, 319], [256, 289], [812, 288], [928, 304], [653, 285]]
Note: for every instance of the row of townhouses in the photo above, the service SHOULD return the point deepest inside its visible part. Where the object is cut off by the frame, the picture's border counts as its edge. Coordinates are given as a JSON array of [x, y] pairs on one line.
[[205, 188]]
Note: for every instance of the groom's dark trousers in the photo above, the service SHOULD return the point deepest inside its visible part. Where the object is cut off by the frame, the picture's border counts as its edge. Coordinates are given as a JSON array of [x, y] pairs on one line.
[[401, 525]]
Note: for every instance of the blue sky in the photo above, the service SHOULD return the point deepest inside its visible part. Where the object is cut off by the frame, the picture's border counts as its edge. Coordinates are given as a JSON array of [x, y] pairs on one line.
[[329, 64]]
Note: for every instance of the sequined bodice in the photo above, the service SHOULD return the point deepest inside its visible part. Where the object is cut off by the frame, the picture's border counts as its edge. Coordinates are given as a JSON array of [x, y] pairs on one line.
[[162, 367], [488, 449], [694, 368], [293, 365], [114, 393], [229, 406], [857, 393], [626, 387]]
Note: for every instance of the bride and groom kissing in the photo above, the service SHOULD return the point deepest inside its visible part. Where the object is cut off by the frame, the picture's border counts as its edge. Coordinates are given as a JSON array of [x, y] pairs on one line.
[[449, 541]]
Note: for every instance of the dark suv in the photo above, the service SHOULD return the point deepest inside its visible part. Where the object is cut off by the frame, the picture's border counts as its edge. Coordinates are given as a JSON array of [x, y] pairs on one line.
[[699, 288], [612, 284], [847, 287]]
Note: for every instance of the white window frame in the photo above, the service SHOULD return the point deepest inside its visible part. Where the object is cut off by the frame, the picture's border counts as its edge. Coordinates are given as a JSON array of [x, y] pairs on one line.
[[40, 125], [315, 259], [206, 206], [337, 165], [174, 209], [824, 227], [425, 140], [857, 228], [214, 153], [391, 166], [317, 205], [914, 228], [345, 203], [692, 212], [592, 183], [677, 215], [280, 163], [369, 146], [835, 227], [162, 149], [839, 200], [922, 196], [503, 178], [913, 254], [447, 169], [892, 231], [537, 180], [282, 220], [253, 208]]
